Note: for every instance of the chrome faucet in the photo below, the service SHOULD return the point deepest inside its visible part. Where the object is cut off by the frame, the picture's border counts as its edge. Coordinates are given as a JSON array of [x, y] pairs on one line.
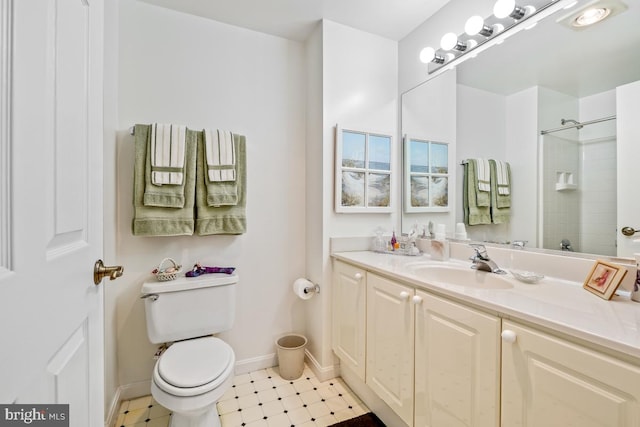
[[482, 262]]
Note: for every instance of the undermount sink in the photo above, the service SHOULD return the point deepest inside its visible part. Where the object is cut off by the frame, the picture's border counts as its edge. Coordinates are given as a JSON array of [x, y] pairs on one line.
[[462, 277]]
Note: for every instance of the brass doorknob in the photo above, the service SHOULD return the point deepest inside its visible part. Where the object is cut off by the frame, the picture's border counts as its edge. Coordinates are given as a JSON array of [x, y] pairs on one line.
[[101, 271], [628, 231]]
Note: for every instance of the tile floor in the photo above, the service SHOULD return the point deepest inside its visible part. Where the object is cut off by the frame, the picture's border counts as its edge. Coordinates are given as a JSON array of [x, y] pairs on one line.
[[263, 399]]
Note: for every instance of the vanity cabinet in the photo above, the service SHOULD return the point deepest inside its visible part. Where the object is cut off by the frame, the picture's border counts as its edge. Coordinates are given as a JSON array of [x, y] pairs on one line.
[[548, 381], [433, 361], [457, 364], [437, 362], [349, 316], [390, 327]]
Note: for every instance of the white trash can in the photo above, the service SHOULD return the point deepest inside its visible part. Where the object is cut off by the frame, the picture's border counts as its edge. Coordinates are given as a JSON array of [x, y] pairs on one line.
[[291, 355]]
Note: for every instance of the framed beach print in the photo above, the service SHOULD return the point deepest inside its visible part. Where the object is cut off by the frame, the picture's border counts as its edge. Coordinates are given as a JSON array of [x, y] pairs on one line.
[[604, 278], [426, 175], [363, 171]]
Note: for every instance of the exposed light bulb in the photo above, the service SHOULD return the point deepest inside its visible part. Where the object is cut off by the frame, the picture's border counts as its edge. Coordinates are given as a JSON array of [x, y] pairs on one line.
[[503, 8], [474, 25], [509, 8], [427, 54], [450, 41]]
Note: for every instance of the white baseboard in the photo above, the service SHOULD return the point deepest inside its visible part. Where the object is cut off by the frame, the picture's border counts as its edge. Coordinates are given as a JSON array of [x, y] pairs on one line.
[[256, 363], [125, 392], [323, 373]]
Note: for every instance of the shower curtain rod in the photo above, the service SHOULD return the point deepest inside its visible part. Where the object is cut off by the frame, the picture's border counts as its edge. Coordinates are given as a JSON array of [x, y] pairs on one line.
[[590, 122]]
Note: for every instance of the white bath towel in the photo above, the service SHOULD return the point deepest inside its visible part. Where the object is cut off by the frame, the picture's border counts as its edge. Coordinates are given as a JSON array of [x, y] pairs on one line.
[[220, 154], [502, 177], [167, 154], [484, 175]]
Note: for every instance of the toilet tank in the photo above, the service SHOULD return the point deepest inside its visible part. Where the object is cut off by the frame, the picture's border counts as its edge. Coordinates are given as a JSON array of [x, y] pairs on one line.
[[189, 307]]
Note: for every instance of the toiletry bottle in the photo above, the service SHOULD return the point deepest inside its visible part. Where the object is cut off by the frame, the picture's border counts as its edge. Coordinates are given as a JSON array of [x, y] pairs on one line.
[[379, 245], [635, 292]]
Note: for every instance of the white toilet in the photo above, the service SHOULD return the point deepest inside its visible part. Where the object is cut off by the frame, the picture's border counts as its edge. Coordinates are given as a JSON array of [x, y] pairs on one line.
[[197, 369]]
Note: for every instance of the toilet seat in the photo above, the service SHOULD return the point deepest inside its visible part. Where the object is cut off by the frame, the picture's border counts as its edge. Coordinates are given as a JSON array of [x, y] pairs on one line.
[[193, 367]]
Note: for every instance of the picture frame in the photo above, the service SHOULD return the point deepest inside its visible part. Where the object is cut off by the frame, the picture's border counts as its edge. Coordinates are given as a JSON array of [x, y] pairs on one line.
[[426, 175], [364, 176], [604, 278]]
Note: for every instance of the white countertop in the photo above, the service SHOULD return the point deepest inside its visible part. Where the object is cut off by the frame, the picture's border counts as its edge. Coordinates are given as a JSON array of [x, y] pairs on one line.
[[556, 304]]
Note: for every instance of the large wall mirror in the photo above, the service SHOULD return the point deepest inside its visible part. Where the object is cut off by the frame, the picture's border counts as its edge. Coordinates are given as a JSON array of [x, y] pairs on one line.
[[520, 102]]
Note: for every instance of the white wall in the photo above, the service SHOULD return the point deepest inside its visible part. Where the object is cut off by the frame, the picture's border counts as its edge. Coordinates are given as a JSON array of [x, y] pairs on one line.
[[178, 68], [561, 209], [598, 174], [481, 132], [356, 88]]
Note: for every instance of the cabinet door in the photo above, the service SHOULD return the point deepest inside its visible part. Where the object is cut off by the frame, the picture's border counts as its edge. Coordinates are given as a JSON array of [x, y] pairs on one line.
[[457, 365], [390, 327], [547, 381], [349, 316]]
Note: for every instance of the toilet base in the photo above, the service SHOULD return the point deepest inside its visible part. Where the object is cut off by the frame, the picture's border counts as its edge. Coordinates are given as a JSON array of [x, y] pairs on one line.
[[193, 411], [209, 419]]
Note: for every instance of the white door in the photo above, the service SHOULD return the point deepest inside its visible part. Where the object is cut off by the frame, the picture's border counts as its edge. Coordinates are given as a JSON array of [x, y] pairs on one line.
[[51, 314], [628, 132]]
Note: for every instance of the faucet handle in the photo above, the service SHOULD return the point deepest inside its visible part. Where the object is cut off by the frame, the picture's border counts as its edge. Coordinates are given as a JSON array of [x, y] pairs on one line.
[[481, 251]]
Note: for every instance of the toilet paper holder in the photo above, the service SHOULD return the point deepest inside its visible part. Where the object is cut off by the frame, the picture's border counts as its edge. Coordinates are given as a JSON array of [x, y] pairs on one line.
[[315, 288]]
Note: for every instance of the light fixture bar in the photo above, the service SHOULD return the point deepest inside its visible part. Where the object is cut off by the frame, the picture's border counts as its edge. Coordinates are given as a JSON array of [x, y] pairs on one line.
[[482, 33]]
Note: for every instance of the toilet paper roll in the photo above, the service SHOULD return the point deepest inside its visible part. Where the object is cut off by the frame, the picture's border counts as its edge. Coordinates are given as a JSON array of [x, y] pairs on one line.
[[299, 286]]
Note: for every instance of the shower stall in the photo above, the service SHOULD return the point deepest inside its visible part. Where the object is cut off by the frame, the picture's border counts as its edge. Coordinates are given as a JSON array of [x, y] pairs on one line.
[[578, 179]]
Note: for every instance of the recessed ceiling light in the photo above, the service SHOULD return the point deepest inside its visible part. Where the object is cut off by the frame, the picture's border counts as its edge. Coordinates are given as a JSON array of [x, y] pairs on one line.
[[591, 16], [593, 12]]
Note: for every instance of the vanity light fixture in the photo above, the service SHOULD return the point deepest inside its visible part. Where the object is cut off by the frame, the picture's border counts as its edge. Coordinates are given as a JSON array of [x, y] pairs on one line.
[[481, 33]]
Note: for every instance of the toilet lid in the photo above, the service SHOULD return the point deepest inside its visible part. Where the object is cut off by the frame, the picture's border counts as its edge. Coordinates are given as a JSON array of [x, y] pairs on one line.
[[195, 362]]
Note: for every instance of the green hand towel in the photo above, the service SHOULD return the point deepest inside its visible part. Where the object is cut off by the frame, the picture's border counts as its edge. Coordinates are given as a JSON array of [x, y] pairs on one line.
[[228, 219], [162, 221], [473, 214], [504, 200], [167, 195], [219, 193], [483, 198], [499, 215]]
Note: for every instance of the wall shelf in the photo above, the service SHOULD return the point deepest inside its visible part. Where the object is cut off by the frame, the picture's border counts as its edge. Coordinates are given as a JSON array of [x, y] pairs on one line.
[[566, 187]]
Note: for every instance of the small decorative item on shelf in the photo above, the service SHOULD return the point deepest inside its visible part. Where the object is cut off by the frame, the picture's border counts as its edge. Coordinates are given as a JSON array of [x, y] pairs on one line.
[[165, 273], [198, 269], [604, 278]]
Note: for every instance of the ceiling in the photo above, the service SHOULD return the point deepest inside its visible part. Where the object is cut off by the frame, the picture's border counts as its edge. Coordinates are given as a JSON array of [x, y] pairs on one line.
[[295, 19]]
